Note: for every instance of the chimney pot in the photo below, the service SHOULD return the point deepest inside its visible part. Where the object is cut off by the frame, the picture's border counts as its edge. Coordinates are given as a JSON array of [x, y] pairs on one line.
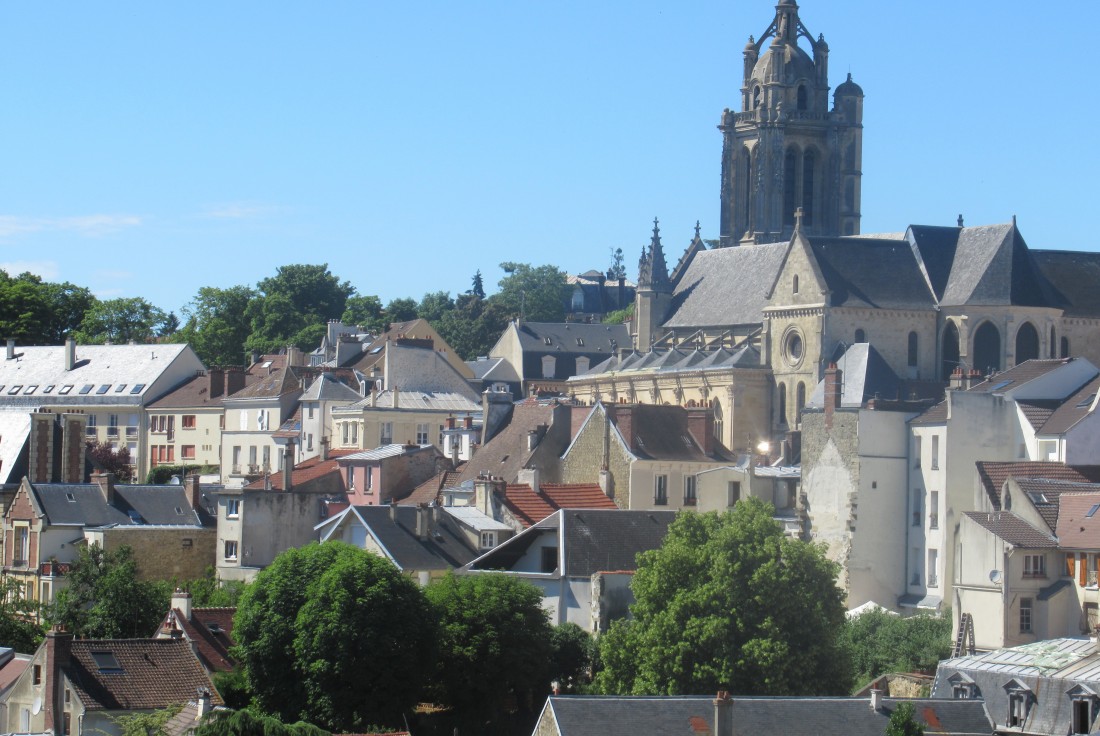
[[11, 348], [876, 699]]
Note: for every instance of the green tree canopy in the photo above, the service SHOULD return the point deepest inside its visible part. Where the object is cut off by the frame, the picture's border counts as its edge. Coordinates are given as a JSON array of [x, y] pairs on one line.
[[434, 305], [247, 723], [495, 648], [37, 312], [879, 642], [402, 309], [572, 653], [729, 602], [120, 321], [216, 324], [293, 304], [18, 616], [473, 326], [535, 293], [365, 311], [903, 722], [336, 636], [106, 600]]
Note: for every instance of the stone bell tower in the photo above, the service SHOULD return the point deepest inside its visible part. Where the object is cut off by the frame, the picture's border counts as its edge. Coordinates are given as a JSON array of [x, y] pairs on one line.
[[787, 149]]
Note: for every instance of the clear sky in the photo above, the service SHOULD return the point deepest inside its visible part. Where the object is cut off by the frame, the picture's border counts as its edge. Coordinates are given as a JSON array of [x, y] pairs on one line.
[[148, 149]]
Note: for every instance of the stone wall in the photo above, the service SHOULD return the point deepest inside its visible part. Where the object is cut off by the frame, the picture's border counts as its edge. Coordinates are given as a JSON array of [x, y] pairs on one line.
[[164, 553], [583, 462]]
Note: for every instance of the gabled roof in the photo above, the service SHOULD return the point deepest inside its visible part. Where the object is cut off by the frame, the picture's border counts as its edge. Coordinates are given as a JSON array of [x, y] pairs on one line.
[[1072, 410], [1045, 495], [151, 674], [865, 375], [702, 296], [1079, 520], [992, 475], [853, 270], [530, 507], [281, 382], [210, 631], [393, 529], [526, 505], [327, 388], [305, 477], [493, 369], [1018, 375], [595, 540], [15, 428], [507, 453], [83, 504], [195, 393], [936, 414], [791, 716], [660, 432], [1012, 529], [572, 337]]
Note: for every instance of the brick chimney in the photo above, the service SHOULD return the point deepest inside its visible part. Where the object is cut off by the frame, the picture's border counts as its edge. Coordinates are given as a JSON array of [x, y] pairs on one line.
[[833, 388], [59, 653], [106, 483], [215, 378], [624, 420], [701, 427], [40, 457], [181, 601], [723, 714], [235, 380], [193, 491], [74, 448]]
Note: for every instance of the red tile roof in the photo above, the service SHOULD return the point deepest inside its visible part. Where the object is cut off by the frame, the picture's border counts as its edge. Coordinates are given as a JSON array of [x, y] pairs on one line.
[[305, 472], [151, 674], [1076, 528], [530, 507], [211, 632], [993, 475]]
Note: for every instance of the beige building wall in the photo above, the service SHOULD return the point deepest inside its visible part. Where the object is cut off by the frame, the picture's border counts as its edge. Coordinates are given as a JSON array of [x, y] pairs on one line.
[[194, 436], [363, 430], [162, 553]]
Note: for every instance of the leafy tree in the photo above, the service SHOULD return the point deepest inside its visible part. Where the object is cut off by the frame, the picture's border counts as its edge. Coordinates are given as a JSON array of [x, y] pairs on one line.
[[903, 722], [111, 459], [24, 308], [18, 618], [169, 327], [618, 268], [495, 645], [619, 316], [400, 310], [217, 325], [477, 288], [878, 642], [296, 298], [248, 723], [120, 320], [106, 600], [434, 305], [146, 724], [336, 636], [68, 305], [365, 311], [473, 326], [535, 293], [572, 653], [207, 592], [729, 602]]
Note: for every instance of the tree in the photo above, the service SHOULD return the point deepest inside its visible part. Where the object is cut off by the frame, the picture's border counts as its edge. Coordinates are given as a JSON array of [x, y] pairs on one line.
[[247, 723], [169, 326], [37, 312], [365, 311], [146, 724], [336, 636], [122, 320], [111, 459], [618, 268], [473, 326], [434, 305], [903, 722], [216, 324], [400, 310], [729, 602], [572, 653], [477, 288], [106, 600], [18, 618], [878, 642], [619, 315], [535, 293], [298, 297], [495, 646]]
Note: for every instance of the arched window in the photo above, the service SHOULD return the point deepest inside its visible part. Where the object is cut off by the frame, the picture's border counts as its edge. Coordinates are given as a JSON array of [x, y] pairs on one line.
[[861, 336], [913, 349], [802, 97], [790, 171], [950, 352], [1065, 347], [987, 348], [800, 401], [755, 97], [808, 163], [718, 421], [1027, 343], [746, 185], [782, 404], [1053, 344], [795, 285]]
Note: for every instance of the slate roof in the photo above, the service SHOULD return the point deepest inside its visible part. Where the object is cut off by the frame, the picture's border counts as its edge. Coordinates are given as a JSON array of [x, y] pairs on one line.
[[444, 549], [83, 504], [428, 491], [327, 387], [1072, 410], [1072, 277], [506, 453], [660, 432], [670, 360], [572, 337], [1012, 529], [1018, 375], [702, 296], [595, 540], [866, 374], [530, 507], [493, 369], [992, 475], [936, 414], [15, 428], [1077, 528], [153, 673], [809, 716], [425, 380], [382, 452], [853, 270]]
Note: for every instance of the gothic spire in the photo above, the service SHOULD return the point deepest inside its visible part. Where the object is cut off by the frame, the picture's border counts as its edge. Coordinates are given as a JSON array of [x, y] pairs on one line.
[[655, 273]]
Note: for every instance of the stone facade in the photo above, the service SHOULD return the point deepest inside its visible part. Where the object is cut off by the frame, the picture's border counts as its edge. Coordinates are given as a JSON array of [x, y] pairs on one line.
[[595, 448], [162, 553]]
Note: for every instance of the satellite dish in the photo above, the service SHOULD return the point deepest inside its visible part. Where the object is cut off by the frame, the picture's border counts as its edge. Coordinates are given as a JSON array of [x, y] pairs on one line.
[[994, 576], [36, 706]]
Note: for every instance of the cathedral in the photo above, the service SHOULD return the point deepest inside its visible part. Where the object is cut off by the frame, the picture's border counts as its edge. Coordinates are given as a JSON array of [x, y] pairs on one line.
[[750, 326]]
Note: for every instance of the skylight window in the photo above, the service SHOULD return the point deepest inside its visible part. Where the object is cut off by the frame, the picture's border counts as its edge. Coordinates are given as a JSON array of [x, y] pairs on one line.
[[138, 388], [266, 364], [66, 389], [999, 386], [71, 497], [15, 389], [86, 388], [103, 389], [49, 389], [1093, 510], [1087, 402], [106, 662], [31, 389], [120, 388]]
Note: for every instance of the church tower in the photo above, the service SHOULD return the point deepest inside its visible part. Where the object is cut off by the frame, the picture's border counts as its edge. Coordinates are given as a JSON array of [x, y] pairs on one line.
[[654, 292], [786, 149]]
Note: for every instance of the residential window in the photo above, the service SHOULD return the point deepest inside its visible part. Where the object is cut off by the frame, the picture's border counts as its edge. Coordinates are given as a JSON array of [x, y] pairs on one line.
[[267, 459], [660, 490], [549, 366], [488, 540], [171, 453], [935, 452], [1083, 712], [91, 427], [963, 691], [112, 425], [187, 452], [689, 490], [1025, 615], [385, 435], [933, 568], [187, 421], [1018, 702], [22, 544], [916, 451], [351, 478], [1035, 566], [421, 434], [230, 549], [934, 510], [548, 559], [37, 678], [733, 492], [309, 412], [236, 458], [132, 426], [233, 508], [916, 506]]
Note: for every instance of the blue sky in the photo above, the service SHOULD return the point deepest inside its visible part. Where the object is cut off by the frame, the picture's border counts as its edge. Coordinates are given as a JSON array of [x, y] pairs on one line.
[[148, 149]]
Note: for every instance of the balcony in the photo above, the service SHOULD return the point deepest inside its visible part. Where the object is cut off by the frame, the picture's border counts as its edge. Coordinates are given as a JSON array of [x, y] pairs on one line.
[[54, 569], [112, 432]]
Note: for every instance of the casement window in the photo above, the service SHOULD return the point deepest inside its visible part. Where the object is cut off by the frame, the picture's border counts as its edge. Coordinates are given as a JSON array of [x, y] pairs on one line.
[[188, 421], [488, 540], [660, 490], [230, 549], [1025, 616], [548, 559], [232, 508], [689, 490], [1035, 566], [934, 510], [421, 434], [385, 434], [351, 478]]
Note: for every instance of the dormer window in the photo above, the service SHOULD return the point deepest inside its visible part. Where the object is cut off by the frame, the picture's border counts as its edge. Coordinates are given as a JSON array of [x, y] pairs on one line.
[[1020, 699], [1084, 702], [488, 540]]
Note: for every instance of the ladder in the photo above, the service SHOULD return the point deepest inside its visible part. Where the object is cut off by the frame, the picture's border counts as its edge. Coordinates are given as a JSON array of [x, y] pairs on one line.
[[964, 637]]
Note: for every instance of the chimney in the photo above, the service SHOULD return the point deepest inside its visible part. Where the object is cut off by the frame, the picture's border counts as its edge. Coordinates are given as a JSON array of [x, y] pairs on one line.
[[215, 382], [532, 440], [288, 467], [530, 476], [59, 649], [203, 702], [74, 448], [605, 483], [723, 714], [624, 420], [193, 491], [181, 601], [396, 397], [423, 521], [701, 428], [833, 389], [620, 295], [106, 483], [324, 448], [11, 348], [234, 381], [40, 452], [876, 699], [393, 507], [467, 422], [70, 353], [450, 422]]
